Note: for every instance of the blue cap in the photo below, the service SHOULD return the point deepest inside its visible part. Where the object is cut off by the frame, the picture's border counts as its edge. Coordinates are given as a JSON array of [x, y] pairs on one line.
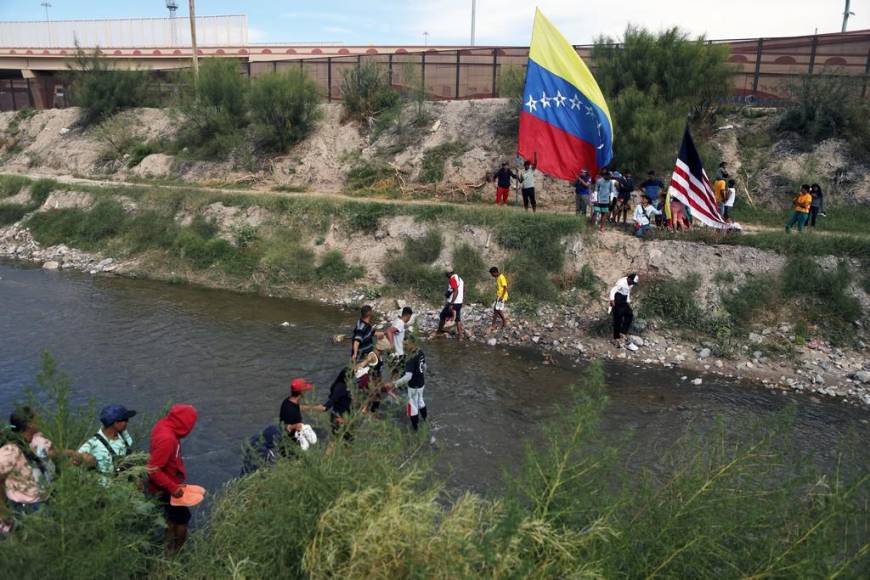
[[113, 413]]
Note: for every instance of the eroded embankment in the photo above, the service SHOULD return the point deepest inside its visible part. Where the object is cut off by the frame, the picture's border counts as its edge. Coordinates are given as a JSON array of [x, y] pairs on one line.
[[713, 308]]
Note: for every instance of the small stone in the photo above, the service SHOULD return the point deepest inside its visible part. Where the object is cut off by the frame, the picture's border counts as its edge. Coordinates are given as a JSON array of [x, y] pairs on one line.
[[718, 364], [860, 376], [757, 354], [705, 352], [51, 265], [697, 381], [536, 339], [636, 340], [631, 346], [285, 324], [491, 342], [756, 338]]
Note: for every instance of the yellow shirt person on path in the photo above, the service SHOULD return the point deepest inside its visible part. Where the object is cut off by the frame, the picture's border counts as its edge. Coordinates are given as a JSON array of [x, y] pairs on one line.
[[803, 201]]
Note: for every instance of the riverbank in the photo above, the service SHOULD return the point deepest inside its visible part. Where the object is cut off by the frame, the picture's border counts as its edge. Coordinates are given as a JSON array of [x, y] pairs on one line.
[[347, 253]]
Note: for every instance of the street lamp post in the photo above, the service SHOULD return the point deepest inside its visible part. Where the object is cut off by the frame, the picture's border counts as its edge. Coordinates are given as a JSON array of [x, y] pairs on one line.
[[193, 40], [473, 16], [47, 5]]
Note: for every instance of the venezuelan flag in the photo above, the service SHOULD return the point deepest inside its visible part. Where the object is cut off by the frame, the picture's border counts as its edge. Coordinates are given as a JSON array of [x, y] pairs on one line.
[[565, 123]]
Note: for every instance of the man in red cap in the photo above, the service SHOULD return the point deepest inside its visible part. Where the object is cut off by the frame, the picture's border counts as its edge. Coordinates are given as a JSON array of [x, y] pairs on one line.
[[291, 413], [166, 471]]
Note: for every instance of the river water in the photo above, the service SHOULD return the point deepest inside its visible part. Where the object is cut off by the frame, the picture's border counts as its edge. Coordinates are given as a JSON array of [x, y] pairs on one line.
[[144, 344]]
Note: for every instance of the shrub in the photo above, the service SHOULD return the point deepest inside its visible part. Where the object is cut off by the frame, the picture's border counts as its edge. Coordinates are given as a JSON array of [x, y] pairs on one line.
[[426, 281], [365, 92], [201, 252], [529, 280], [822, 106], [432, 168], [425, 249], [287, 261], [673, 301], [11, 213], [116, 135], [652, 82], [758, 294], [151, 229], [140, 151], [334, 268], [824, 296], [366, 174], [101, 90], [39, 191], [85, 230], [540, 240], [284, 108], [11, 184], [365, 217], [214, 108]]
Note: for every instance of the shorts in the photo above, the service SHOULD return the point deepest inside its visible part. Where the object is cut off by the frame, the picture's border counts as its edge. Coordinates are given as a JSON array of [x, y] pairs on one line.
[[499, 304], [456, 315], [175, 514], [602, 207], [415, 401]]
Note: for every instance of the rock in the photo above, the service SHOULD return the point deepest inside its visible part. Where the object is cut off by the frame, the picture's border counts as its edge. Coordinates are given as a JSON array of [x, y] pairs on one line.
[[718, 364], [756, 338], [636, 340], [639, 325], [491, 342], [705, 352], [285, 324], [51, 265], [380, 235], [861, 376], [697, 381], [536, 339], [631, 346], [757, 354]]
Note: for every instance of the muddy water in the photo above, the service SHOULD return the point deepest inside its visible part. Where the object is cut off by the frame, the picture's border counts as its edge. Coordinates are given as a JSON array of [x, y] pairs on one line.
[[144, 344]]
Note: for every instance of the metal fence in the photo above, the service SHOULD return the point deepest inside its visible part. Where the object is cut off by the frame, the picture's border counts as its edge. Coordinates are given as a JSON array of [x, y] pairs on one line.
[[764, 68]]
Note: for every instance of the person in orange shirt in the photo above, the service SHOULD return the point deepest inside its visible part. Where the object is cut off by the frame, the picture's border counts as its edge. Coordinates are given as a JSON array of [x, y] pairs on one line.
[[719, 187], [802, 203]]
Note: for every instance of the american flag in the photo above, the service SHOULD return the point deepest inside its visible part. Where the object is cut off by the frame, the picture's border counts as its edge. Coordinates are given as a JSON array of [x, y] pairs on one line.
[[690, 186]]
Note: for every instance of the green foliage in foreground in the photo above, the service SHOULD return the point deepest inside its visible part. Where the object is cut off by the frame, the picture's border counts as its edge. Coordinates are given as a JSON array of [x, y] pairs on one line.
[[726, 502], [838, 218], [794, 244], [9, 186], [365, 92], [284, 108]]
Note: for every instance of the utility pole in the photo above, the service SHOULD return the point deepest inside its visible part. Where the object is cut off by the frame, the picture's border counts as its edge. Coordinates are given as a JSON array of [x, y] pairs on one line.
[[473, 15], [846, 14], [47, 5], [426, 38], [193, 40]]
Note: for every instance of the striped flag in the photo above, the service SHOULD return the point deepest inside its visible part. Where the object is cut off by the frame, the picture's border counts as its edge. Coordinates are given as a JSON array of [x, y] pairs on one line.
[[565, 124], [690, 185]]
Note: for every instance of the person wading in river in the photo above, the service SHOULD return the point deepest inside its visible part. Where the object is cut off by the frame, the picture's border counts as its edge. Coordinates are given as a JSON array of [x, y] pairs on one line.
[[396, 337], [620, 308], [166, 471], [414, 378], [501, 298], [455, 294]]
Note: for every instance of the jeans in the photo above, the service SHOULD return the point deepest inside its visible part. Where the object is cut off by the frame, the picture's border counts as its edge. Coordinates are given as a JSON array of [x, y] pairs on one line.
[[529, 197], [798, 218], [814, 213], [641, 231], [581, 202]]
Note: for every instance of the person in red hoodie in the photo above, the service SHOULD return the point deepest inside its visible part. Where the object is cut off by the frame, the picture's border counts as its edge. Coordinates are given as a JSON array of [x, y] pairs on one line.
[[166, 472]]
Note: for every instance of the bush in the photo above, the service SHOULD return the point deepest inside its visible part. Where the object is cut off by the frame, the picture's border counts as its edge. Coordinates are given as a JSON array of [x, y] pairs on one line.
[[101, 90], [11, 184], [432, 168], [39, 191], [287, 261], [529, 280], [652, 82], [215, 109], [334, 268], [540, 240], [428, 282], [759, 294], [366, 174], [116, 135], [365, 92], [85, 230], [151, 229], [673, 301], [284, 108], [140, 151], [365, 217], [11, 213], [824, 296], [426, 249], [822, 106]]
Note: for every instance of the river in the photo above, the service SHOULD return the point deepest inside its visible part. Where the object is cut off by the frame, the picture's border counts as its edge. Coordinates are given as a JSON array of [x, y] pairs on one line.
[[144, 344]]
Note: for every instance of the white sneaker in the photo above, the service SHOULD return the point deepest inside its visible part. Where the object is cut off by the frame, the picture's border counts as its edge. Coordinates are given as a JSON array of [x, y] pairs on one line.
[[309, 435], [301, 440], [631, 346]]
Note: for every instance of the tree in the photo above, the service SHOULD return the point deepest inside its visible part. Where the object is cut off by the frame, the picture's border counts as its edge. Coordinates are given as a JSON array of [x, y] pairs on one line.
[[653, 83], [284, 108]]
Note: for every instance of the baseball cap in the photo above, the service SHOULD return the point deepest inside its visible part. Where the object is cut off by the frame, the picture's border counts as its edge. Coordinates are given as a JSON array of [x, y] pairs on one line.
[[300, 385], [114, 413]]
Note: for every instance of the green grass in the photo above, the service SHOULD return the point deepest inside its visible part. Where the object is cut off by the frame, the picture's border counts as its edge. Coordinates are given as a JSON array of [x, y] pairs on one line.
[[39, 191], [672, 300], [12, 184], [794, 244], [468, 262], [426, 248], [844, 219], [434, 159]]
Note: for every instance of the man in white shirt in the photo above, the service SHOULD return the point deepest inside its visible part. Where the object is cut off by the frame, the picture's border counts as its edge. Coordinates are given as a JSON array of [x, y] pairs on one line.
[[620, 308], [455, 294], [396, 336]]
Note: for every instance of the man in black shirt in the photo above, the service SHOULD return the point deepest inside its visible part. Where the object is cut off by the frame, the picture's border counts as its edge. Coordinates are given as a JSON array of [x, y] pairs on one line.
[[503, 183], [414, 377], [363, 341], [291, 413], [338, 404], [623, 198]]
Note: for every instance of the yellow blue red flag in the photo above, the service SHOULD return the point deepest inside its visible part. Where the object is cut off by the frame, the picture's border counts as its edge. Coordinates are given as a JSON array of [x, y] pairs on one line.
[[565, 123]]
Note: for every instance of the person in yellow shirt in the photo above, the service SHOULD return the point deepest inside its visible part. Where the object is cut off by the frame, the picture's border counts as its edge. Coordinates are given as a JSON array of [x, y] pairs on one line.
[[802, 203], [719, 187], [501, 298]]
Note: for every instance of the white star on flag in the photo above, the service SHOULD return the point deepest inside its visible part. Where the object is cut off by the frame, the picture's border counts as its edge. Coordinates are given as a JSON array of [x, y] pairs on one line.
[[575, 102], [532, 104], [545, 100], [559, 99]]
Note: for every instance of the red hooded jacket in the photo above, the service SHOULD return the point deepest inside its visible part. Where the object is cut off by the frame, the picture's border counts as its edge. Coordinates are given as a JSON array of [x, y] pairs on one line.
[[165, 465]]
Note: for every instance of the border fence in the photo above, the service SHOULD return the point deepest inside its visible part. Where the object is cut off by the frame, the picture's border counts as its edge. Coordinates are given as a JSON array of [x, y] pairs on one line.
[[764, 68]]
